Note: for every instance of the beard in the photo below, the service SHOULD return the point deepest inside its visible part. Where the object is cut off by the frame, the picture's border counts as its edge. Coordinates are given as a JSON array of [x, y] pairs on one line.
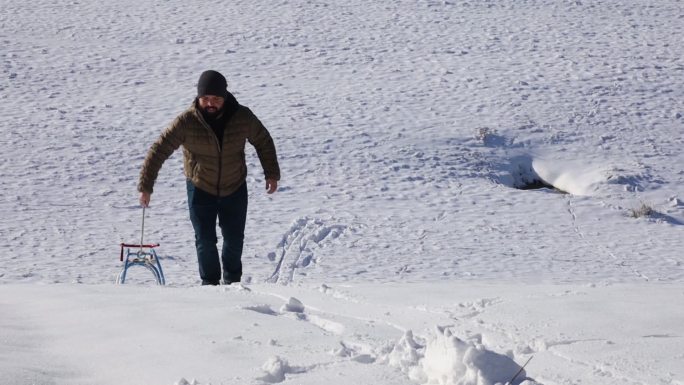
[[211, 112]]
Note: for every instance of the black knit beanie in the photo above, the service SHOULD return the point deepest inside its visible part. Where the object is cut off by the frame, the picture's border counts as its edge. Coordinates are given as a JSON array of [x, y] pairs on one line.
[[212, 83]]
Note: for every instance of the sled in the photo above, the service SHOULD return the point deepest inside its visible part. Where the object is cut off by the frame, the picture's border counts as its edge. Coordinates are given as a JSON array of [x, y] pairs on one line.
[[137, 255]]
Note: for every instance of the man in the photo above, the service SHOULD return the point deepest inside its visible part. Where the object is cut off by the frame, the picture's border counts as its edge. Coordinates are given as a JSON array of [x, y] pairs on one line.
[[213, 132]]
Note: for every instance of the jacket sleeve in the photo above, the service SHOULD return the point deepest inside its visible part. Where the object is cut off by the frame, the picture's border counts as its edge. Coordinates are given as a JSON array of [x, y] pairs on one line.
[[260, 138], [161, 150]]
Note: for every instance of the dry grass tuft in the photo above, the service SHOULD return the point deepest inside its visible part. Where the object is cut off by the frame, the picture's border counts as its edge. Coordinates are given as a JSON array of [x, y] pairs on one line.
[[643, 211]]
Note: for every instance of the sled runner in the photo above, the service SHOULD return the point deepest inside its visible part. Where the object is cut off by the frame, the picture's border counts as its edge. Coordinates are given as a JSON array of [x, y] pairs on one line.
[[141, 257]]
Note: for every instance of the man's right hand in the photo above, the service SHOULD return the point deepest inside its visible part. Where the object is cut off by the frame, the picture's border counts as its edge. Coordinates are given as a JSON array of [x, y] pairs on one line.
[[145, 199]]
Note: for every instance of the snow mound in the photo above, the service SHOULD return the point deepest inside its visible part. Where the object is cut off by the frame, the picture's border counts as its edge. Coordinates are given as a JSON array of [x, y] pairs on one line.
[[447, 360], [405, 354], [293, 305], [570, 177], [275, 370]]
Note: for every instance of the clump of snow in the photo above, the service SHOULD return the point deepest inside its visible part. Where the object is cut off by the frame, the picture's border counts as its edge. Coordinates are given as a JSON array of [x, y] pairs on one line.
[[275, 369], [405, 353], [449, 360], [293, 305], [358, 353]]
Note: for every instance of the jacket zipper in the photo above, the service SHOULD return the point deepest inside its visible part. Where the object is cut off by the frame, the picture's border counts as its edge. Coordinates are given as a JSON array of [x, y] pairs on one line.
[[218, 183], [218, 148]]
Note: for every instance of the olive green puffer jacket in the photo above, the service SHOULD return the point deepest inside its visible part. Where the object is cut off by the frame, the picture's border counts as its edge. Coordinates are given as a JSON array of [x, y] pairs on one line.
[[219, 170]]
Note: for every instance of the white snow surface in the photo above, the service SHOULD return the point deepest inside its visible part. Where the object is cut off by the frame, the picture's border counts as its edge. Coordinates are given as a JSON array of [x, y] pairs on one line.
[[400, 247]]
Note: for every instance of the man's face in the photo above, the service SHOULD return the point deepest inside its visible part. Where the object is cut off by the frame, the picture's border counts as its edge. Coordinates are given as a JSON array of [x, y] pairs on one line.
[[211, 103]]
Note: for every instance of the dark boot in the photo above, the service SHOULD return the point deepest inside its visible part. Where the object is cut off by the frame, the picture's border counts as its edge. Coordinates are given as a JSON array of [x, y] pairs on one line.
[[229, 278]]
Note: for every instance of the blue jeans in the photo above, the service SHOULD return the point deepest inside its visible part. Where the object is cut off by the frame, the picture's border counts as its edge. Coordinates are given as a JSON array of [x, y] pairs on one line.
[[231, 212]]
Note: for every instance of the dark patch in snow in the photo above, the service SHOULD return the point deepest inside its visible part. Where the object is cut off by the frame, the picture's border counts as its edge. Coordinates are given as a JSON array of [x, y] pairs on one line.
[[523, 177]]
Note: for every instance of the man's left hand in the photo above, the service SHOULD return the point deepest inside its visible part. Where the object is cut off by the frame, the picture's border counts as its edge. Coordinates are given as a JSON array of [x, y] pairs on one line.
[[271, 186]]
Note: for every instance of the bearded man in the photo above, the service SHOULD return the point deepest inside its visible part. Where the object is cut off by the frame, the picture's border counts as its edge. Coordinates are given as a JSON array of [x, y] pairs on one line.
[[213, 133]]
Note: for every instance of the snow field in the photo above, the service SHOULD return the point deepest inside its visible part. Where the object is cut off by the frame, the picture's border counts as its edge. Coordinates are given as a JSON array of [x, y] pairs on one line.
[[376, 110], [398, 249]]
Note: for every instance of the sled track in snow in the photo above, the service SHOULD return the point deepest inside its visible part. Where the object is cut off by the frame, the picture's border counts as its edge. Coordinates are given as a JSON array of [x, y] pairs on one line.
[[296, 249]]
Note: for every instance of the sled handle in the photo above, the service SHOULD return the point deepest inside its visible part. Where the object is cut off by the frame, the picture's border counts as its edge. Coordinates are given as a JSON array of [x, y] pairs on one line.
[[150, 246]]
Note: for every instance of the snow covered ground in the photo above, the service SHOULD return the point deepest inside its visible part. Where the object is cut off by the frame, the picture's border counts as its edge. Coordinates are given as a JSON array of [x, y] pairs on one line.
[[399, 249], [366, 333]]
